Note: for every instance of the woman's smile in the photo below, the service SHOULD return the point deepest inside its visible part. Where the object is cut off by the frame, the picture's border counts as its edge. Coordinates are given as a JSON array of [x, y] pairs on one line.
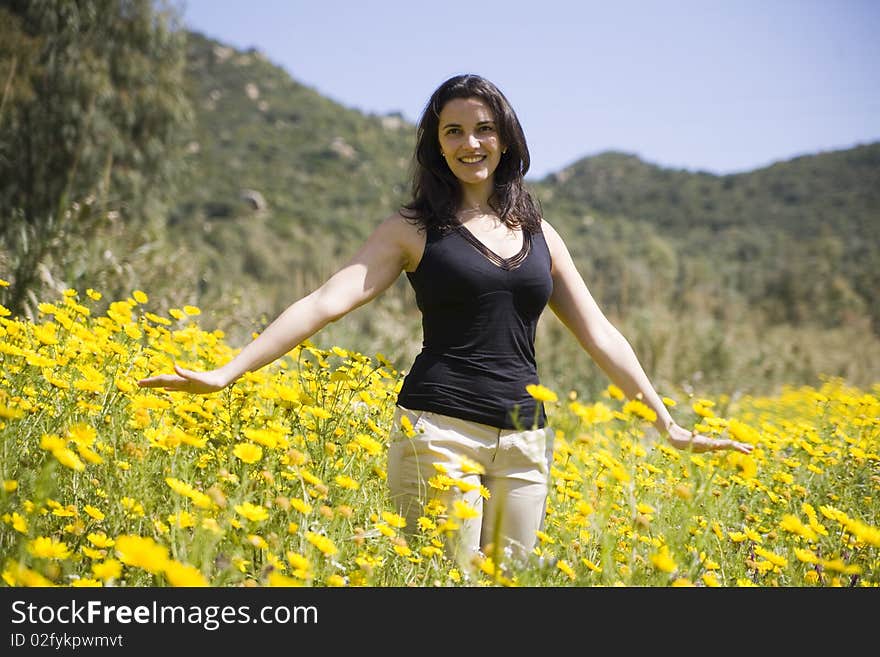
[[470, 141]]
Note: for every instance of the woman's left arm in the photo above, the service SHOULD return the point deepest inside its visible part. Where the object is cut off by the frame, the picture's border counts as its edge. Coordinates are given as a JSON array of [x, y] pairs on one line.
[[573, 304]]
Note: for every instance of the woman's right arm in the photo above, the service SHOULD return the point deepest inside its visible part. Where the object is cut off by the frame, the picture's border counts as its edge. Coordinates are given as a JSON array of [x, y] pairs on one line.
[[376, 265]]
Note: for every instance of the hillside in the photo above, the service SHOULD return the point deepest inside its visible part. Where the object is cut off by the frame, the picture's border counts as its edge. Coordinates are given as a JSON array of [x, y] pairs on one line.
[[765, 266], [807, 226]]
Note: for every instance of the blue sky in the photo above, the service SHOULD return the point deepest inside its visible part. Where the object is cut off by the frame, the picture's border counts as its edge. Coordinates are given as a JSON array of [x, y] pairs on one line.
[[703, 85]]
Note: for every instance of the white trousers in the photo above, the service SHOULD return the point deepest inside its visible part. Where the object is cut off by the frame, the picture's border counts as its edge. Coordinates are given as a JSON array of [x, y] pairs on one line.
[[516, 467]]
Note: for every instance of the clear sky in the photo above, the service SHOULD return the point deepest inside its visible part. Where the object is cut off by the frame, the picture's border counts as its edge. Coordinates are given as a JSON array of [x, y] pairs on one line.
[[709, 85]]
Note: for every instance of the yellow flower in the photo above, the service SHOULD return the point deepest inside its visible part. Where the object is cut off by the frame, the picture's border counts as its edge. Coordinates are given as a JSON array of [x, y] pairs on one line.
[[298, 561], [385, 530], [85, 582], [407, 426], [589, 564], [370, 445], [258, 541], [192, 310], [662, 560], [323, 543], [593, 414], [431, 551], [109, 569], [183, 519], [17, 574], [470, 467], [248, 452], [317, 411], [336, 580], [753, 535], [394, 519], [100, 540], [541, 393], [277, 579], [642, 410], [564, 567], [346, 482], [179, 574], [10, 485], [793, 524], [48, 548], [50, 442], [710, 580], [301, 506], [772, 557], [157, 319], [68, 459], [463, 511], [140, 297], [142, 552], [19, 523], [198, 498], [252, 512], [703, 407], [806, 556], [266, 437], [614, 392], [544, 537]]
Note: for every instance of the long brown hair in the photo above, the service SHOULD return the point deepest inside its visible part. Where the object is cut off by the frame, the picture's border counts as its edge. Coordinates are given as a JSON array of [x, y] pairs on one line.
[[436, 192]]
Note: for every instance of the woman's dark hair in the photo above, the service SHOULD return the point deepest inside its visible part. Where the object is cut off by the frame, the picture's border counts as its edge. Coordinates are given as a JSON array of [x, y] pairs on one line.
[[436, 193]]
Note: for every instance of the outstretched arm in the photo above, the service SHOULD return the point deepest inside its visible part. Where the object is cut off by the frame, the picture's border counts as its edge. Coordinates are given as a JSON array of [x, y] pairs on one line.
[[375, 266], [572, 302]]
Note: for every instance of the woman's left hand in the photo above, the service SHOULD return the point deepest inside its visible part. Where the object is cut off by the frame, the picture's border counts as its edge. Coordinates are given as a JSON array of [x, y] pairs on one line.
[[681, 438]]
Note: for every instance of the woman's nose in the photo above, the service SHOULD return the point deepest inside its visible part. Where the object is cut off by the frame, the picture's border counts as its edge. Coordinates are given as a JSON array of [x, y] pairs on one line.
[[473, 141]]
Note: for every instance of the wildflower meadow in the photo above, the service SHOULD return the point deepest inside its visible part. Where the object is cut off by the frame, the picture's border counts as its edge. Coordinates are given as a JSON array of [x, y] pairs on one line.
[[279, 480]]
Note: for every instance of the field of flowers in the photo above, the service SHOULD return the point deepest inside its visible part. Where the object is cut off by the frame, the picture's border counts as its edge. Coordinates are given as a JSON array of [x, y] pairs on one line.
[[279, 479]]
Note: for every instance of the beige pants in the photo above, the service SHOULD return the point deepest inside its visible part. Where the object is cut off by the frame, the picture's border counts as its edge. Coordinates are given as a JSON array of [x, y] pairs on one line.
[[516, 468]]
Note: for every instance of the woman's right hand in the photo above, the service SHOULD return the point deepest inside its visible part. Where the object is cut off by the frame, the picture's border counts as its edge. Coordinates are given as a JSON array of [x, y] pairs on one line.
[[199, 383]]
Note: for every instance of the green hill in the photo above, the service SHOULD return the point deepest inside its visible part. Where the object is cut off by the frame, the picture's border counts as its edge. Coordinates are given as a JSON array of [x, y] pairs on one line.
[[754, 278], [798, 239]]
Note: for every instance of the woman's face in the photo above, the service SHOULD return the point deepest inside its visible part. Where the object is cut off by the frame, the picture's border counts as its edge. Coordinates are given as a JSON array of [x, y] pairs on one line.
[[469, 140]]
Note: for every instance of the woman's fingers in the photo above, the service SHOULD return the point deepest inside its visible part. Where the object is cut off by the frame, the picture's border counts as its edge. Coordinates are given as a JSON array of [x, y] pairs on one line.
[[184, 380], [160, 381], [744, 448]]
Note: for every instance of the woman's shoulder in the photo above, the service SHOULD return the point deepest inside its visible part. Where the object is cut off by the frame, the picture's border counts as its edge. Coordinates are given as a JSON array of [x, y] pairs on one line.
[[404, 226], [407, 232], [554, 241], [548, 231]]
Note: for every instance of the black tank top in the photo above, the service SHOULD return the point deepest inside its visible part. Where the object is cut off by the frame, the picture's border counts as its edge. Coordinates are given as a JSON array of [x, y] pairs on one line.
[[479, 315]]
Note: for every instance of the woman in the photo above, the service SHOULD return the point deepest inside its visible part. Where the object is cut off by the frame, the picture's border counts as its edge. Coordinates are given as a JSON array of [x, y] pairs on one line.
[[484, 264]]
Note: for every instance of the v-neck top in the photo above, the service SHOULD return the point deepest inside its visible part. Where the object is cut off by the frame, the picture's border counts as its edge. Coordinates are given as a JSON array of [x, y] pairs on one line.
[[505, 263], [479, 316]]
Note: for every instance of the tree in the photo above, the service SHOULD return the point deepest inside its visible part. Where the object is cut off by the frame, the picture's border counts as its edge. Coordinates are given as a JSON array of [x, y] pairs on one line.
[[90, 117]]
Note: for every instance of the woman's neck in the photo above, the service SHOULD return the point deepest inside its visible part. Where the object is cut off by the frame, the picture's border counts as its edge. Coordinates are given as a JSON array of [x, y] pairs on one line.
[[475, 199]]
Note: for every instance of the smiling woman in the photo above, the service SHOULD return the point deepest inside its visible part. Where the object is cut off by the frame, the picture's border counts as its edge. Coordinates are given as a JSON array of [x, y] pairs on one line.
[[470, 445], [469, 140]]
